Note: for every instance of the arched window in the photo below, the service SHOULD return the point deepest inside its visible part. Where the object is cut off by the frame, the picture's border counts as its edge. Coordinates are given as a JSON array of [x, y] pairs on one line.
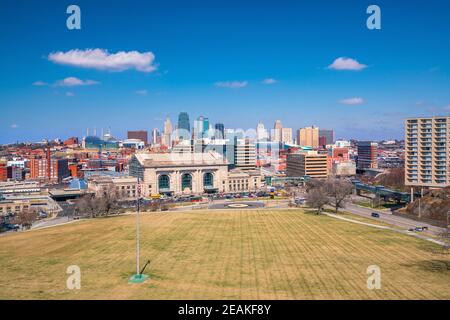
[[208, 180], [164, 182], [186, 181]]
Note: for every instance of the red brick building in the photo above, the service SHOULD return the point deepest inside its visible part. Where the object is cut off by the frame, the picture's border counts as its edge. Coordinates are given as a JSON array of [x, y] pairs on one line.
[[141, 135], [49, 169], [3, 172], [71, 141]]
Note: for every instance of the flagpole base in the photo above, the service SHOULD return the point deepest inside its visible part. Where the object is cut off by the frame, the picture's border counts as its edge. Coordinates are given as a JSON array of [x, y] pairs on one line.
[[138, 278]]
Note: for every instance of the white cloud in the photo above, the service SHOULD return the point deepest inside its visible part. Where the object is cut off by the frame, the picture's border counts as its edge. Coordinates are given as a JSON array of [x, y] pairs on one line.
[[101, 59], [73, 82], [39, 83], [231, 84], [343, 63], [14, 126], [352, 101], [141, 92], [70, 94], [269, 81]]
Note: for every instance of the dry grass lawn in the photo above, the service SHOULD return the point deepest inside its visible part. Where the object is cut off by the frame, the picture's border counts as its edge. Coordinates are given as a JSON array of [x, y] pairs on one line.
[[247, 254]]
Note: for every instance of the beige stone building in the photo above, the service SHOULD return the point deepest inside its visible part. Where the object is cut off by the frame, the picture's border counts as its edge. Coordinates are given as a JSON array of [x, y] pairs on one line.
[[125, 186], [427, 152], [243, 181], [191, 173]]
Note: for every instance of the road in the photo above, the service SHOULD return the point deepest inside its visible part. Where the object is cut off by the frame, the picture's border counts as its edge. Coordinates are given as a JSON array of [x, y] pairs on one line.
[[409, 233], [392, 219], [50, 222]]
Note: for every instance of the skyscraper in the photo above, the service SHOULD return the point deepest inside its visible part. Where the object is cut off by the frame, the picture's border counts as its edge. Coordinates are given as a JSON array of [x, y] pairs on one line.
[[201, 127], [205, 126], [286, 135], [184, 126], [167, 136], [308, 137], [244, 154], [219, 131], [155, 136], [276, 132], [261, 132], [326, 136]]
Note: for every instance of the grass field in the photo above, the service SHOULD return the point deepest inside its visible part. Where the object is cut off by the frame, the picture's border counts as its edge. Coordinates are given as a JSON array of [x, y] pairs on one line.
[[260, 254]]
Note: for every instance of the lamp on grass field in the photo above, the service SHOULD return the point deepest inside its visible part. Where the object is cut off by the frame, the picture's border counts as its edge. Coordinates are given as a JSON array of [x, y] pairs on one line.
[[139, 276]]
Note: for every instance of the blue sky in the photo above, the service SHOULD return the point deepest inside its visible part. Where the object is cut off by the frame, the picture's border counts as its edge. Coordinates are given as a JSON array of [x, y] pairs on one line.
[[202, 48]]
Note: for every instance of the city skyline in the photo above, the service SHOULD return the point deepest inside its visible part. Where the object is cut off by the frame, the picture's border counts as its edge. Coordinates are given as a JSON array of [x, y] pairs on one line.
[[303, 63]]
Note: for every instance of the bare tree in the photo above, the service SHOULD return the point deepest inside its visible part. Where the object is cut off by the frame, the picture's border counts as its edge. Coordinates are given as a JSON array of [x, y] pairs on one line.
[[317, 198], [338, 191], [26, 217], [108, 199], [394, 178], [87, 205]]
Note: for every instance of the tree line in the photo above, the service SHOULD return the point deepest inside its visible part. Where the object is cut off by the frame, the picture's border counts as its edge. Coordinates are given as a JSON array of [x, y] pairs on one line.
[[332, 191]]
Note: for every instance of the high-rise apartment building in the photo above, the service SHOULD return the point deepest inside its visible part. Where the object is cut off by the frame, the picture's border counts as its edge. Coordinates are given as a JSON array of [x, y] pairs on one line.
[[367, 155], [427, 152], [311, 163], [140, 135], [308, 137]]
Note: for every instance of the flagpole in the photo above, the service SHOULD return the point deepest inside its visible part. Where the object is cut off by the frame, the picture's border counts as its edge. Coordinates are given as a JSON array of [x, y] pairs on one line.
[[137, 228], [139, 276]]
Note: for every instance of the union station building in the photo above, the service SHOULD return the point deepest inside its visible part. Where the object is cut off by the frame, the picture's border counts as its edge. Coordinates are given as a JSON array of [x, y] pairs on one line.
[[190, 173]]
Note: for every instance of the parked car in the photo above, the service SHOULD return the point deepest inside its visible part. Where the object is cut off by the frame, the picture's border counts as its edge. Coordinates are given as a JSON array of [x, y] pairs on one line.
[[42, 215], [418, 229], [375, 214], [10, 226]]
